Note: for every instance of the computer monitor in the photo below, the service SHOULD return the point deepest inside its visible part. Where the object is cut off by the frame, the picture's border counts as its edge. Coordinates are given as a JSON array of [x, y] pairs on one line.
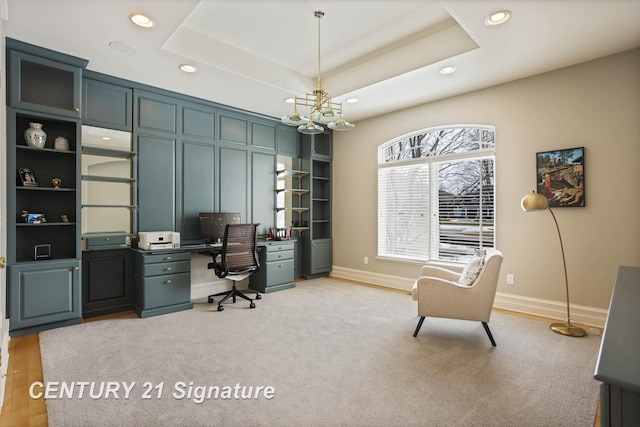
[[212, 225]]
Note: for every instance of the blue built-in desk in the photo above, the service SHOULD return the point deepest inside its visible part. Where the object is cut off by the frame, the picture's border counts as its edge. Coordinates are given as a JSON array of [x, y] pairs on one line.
[[277, 263], [276, 266], [162, 282], [162, 278]]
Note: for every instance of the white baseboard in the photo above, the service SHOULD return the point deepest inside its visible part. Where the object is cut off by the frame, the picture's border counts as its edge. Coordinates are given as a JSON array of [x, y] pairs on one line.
[[385, 280], [588, 316]]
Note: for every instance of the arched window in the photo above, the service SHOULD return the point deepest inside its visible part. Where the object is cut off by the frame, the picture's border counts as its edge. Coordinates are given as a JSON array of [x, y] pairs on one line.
[[436, 193]]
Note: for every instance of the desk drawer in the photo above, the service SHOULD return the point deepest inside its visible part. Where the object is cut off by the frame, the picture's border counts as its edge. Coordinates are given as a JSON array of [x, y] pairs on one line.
[[172, 256], [279, 272], [279, 255], [279, 246], [166, 268], [165, 290], [99, 242]]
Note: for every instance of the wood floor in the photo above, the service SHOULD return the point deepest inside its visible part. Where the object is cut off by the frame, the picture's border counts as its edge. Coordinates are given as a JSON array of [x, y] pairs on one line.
[[25, 367]]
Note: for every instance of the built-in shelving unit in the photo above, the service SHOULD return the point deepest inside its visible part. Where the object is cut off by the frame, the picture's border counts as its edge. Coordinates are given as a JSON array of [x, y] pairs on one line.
[[58, 204], [290, 207], [43, 197], [108, 185]]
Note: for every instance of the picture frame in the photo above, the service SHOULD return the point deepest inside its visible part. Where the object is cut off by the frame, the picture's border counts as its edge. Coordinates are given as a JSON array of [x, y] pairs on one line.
[[560, 177], [28, 177]]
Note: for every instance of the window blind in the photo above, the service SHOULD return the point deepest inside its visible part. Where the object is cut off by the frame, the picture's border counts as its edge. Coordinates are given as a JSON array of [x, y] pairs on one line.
[[403, 211]]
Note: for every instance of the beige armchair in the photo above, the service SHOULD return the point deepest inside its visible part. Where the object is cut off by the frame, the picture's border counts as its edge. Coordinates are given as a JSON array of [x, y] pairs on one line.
[[445, 293]]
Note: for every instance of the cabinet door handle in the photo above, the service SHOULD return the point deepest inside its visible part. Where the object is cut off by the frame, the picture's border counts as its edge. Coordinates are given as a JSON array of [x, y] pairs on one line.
[[168, 268], [168, 258], [168, 282], [77, 109], [280, 266]]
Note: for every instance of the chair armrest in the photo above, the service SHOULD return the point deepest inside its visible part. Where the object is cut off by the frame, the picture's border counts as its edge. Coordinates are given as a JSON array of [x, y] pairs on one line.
[[439, 272], [421, 285]]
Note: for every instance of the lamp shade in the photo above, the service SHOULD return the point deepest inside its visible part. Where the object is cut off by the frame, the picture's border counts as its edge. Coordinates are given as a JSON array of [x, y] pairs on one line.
[[534, 202], [310, 128]]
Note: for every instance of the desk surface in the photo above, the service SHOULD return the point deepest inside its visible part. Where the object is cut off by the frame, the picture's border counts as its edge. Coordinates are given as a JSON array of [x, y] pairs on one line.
[[199, 246]]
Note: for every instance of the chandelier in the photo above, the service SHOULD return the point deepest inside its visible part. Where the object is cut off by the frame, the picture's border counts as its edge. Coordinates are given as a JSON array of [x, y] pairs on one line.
[[323, 109]]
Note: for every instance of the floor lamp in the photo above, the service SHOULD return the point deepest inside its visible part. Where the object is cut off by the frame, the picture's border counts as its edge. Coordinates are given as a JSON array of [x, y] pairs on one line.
[[538, 202]]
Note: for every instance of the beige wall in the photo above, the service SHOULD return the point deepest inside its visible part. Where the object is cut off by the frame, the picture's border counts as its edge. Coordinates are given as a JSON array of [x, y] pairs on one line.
[[595, 105]]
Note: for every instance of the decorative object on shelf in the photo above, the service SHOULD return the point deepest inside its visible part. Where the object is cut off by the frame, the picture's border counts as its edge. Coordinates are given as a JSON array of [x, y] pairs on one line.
[[36, 218], [28, 177], [322, 106], [64, 218], [560, 177], [34, 136], [538, 202], [56, 182], [61, 143], [280, 233], [42, 251]]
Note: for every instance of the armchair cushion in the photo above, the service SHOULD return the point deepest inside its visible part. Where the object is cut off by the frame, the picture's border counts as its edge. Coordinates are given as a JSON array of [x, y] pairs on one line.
[[471, 271]]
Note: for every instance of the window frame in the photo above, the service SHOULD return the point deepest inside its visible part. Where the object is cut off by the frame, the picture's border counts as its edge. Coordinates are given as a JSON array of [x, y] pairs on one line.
[[485, 150]]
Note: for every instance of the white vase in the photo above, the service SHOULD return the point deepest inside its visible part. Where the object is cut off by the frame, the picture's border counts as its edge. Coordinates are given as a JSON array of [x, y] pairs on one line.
[[35, 136]]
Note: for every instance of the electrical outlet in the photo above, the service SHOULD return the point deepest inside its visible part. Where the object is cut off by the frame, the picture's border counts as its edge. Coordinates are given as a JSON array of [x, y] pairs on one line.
[[366, 260], [510, 279]]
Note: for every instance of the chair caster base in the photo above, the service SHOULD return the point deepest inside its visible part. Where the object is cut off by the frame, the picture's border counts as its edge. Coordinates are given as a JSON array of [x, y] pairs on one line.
[[258, 296], [252, 305], [210, 300], [220, 308]]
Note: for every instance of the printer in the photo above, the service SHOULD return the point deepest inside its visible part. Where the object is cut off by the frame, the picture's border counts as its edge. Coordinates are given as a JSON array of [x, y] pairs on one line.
[[151, 240]]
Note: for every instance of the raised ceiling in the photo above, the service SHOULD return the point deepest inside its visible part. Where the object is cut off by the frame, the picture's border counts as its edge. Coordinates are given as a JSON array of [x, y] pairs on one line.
[[252, 54]]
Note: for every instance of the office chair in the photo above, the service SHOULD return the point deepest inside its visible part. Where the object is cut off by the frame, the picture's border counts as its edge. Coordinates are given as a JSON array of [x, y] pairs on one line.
[[237, 260]]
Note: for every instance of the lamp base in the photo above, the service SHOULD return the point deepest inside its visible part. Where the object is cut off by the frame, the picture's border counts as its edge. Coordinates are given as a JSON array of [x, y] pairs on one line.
[[567, 329]]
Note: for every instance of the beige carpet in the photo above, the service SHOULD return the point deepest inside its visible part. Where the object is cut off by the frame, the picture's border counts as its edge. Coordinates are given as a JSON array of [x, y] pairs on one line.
[[335, 354]]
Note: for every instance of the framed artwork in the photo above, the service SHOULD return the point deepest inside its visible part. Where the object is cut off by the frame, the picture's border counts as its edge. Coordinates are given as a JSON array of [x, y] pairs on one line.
[[28, 177], [560, 177]]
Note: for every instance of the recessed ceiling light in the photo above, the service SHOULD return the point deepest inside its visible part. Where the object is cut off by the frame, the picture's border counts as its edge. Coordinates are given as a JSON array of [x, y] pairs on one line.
[[351, 100], [105, 138], [498, 18], [141, 20], [450, 69], [123, 47], [289, 100], [188, 68]]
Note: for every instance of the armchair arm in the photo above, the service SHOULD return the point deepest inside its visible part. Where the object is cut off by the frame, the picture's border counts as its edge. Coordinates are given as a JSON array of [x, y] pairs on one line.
[[439, 272]]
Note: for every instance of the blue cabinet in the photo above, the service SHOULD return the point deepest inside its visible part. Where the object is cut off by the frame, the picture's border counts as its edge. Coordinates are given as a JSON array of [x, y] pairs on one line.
[[44, 81], [276, 267], [107, 281], [198, 186], [317, 241], [288, 143], [44, 295], [156, 183], [162, 282], [44, 254], [107, 105]]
